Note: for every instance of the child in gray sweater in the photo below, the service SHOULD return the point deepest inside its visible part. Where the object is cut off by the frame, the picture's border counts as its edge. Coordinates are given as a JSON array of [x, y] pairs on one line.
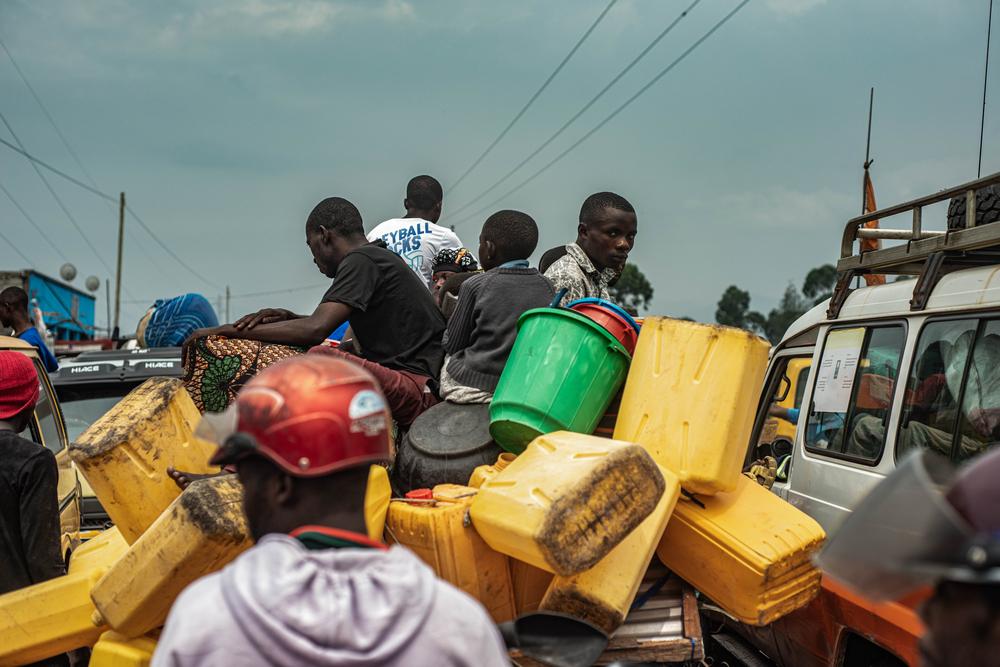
[[482, 329]]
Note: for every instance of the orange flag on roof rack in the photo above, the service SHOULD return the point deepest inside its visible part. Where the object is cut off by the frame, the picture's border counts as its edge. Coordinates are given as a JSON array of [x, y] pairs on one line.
[[867, 245]]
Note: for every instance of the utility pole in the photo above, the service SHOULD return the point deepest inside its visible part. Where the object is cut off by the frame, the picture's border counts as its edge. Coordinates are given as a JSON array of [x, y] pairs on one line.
[[107, 302], [227, 304], [118, 278]]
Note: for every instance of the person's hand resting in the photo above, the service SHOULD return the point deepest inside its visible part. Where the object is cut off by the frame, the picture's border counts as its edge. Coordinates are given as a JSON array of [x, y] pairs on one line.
[[264, 316]]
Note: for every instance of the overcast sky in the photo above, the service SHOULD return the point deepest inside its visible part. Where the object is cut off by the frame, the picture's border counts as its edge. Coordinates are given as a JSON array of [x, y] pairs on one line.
[[225, 122]]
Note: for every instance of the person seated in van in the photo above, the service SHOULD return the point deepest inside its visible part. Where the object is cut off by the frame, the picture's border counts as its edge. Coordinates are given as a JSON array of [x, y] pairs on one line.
[[604, 237], [482, 329], [30, 550], [14, 315], [387, 305]]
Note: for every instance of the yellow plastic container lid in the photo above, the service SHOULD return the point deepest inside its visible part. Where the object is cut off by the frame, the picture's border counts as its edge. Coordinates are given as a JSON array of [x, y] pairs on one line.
[[690, 399], [567, 500]]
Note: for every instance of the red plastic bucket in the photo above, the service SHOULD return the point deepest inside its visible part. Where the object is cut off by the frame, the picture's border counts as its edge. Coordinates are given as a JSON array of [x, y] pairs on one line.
[[623, 328]]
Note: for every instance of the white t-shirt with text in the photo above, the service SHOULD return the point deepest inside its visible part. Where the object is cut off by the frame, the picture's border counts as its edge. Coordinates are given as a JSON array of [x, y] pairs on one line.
[[417, 241]]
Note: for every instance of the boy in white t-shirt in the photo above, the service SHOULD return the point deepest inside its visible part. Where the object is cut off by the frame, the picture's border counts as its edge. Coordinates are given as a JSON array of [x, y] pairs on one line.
[[417, 237]]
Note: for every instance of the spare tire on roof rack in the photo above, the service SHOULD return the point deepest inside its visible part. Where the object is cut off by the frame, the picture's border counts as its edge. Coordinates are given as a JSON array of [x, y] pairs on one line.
[[987, 208]]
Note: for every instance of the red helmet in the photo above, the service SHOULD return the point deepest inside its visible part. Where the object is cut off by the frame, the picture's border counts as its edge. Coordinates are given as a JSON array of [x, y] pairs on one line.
[[311, 415]]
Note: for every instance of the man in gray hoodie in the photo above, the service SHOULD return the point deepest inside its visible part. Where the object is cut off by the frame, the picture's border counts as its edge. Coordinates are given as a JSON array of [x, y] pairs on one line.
[[315, 590]]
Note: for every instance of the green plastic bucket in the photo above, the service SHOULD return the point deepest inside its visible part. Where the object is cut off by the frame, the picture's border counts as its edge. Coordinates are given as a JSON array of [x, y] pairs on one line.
[[561, 375]]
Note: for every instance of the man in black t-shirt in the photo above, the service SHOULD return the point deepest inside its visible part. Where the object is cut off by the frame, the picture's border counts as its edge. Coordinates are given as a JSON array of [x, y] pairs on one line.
[[390, 310]]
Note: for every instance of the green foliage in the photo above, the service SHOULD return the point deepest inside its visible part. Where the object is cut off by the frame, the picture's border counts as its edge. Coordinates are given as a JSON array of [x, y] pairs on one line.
[[632, 291], [732, 308], [819, 283], [734, 305]]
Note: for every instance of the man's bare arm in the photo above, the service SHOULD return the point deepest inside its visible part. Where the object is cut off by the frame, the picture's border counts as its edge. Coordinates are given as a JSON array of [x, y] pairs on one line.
[[302, 331]]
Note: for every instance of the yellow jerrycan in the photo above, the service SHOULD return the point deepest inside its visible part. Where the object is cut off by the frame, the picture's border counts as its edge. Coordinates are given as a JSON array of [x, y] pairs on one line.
[[115, 650], [438, 531], [529, 582], [749, 551], [690, 398], [603, 594], [56, 616], [567, 500], [202, 531], [125, 454]]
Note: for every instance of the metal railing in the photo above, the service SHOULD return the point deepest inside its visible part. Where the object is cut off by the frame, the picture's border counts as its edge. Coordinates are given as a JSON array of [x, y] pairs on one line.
[[855, 229]]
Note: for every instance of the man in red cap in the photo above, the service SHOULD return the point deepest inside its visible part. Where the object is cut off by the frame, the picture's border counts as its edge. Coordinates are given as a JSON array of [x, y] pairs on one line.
[[315, 590], [29, 505]]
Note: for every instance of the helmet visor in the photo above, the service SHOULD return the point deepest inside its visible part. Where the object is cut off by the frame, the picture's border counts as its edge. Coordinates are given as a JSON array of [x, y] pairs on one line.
[[883, 548]]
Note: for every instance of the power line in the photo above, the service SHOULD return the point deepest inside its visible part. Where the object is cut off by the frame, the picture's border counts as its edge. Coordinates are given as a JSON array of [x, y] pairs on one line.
[[13, 247], [167, 249], [534, 97], [33, 223], [245, 295], [56, 197], [610, 116], [73, 153], [48, 115], [36, 161], [583, 110], [57, 172]]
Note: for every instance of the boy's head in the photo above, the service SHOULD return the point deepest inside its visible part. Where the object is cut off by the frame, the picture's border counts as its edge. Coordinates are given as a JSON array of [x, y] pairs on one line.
[[607, 229], [506, 236], [13, 307], [423, 198], [333, 229]]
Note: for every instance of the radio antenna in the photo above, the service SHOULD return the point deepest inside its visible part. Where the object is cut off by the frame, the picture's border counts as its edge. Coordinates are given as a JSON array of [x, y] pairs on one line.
[[986, 71]]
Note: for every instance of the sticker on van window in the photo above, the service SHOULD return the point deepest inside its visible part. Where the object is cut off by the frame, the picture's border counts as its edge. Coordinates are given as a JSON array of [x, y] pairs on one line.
[[837, 368]]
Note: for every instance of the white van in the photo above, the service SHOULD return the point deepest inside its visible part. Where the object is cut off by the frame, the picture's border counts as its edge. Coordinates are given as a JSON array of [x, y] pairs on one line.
[[909, 364]]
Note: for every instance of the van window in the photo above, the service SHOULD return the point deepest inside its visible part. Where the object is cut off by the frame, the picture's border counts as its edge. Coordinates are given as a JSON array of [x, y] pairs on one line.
[[980, 427], [46, 417], [957, 363], [852, 393], [930, 402], [776, 425]]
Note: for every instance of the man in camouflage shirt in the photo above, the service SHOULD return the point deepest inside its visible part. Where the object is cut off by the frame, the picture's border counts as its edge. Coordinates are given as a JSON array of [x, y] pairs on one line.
[[605, 235]]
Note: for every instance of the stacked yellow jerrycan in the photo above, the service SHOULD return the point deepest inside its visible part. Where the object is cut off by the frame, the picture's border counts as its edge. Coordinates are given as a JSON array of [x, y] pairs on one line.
[[690, 397], [567, 500], [438, 531], [202, 531], [57, 615], [125, 454], [689, 400], [748, 550], [116, 650], [529, 582], [603, 594]]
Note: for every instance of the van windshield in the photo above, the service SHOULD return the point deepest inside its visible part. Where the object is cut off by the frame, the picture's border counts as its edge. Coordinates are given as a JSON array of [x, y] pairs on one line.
[[83, 406]]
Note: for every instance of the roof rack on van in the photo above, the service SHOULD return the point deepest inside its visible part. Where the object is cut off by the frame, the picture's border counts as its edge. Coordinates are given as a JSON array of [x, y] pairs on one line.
[[926, 254]]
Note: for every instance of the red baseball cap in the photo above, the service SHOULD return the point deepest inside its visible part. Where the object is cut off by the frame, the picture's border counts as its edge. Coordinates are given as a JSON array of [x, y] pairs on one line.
[[18, 384], [311, 415]]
